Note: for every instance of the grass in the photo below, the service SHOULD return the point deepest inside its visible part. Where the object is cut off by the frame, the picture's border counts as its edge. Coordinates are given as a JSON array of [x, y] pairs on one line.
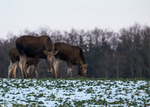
[[75, 92]]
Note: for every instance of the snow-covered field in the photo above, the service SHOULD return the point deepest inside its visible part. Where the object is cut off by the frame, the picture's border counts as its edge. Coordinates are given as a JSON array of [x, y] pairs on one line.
[[74, 92]]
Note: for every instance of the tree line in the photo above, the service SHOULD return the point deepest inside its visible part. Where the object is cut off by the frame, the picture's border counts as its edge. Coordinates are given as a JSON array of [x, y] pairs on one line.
[[109, 54]]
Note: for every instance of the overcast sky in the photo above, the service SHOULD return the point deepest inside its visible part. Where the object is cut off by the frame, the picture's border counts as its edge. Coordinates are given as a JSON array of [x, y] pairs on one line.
[[17, 15]]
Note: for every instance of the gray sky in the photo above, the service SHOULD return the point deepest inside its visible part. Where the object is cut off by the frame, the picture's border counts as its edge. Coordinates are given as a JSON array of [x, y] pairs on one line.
[[17, 15]]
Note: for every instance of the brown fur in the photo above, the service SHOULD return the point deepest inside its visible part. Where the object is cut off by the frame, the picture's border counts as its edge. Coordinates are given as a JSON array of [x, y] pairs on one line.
[[34, 47], [73, 55], [14, 59]]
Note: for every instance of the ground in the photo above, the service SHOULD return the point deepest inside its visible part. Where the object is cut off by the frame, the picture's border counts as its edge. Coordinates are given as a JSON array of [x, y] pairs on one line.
[[74, 92]]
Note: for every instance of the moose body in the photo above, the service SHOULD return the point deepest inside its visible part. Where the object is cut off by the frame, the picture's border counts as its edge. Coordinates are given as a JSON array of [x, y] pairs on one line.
[[36, 48], [73, 55], [14, 59]]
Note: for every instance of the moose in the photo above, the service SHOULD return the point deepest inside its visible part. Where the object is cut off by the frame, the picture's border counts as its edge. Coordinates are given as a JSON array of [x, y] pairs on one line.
[[14, 59], [37, 48], [73, 55]]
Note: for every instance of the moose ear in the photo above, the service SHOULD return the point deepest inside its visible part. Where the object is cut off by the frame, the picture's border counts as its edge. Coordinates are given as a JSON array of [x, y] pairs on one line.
[[84, 65], [54, 53], [45, 52]]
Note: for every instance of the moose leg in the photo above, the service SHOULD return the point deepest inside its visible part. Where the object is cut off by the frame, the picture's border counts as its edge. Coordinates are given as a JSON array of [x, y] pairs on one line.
[[36, 63], [14, 70], [54, 69], [69, 69], [67, 72], [10, 68], [56, 65], [28, 69], [22, 64], [37, 72], [32, 71], [24, 67]]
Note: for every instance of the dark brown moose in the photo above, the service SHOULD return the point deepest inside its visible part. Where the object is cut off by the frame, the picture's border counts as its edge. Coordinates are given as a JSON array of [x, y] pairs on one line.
[[73, 55], [14, 59], [36, 48]]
